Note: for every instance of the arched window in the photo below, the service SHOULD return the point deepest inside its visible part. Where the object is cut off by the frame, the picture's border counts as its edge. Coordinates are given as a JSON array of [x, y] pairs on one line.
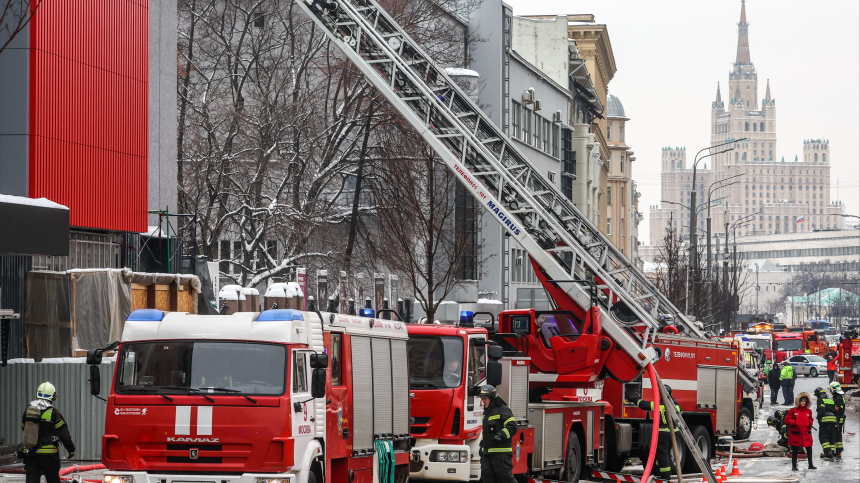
[[744, 157], [823, 158], [746, 126]]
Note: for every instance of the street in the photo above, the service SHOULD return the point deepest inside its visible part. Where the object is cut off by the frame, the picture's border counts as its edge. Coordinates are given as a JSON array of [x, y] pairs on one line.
[[846, 469]]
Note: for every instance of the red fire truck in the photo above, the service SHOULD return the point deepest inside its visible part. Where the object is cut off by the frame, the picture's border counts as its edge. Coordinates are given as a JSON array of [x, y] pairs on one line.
[[849, 358], [273, 397], [787, 344], [445, 363]]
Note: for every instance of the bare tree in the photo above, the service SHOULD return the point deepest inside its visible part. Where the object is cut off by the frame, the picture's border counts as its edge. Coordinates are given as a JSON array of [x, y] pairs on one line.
[[15, 15]]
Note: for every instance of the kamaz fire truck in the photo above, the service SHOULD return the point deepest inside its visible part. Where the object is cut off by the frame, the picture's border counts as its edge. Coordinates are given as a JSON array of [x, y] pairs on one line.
[[787, 344], [849, 357], [273, 397]]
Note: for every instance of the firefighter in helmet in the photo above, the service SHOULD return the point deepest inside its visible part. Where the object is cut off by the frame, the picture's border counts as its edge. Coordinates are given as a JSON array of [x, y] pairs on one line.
[[500, 427], [827, 422], [664, 439], [44, 429], [838, 397]]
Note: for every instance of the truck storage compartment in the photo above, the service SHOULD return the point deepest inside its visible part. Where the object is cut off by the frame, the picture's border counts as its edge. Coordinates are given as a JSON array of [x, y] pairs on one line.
[[549, 436]]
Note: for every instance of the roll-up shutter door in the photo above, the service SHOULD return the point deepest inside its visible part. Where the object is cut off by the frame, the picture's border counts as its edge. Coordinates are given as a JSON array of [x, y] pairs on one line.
[[519, 402], [382, 410], [400, 376], [726, 402], [362, 395], [706, 380]]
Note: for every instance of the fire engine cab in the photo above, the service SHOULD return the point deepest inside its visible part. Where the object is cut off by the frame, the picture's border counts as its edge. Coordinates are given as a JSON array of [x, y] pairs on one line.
[[273, 397]]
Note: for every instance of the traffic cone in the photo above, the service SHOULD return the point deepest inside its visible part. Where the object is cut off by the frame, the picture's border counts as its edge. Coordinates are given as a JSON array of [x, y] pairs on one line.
[[718, 476], [735, 470], [723, 476]]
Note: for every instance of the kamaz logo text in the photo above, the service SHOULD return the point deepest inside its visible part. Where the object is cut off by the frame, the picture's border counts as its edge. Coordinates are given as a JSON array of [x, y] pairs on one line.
[[172, 439]]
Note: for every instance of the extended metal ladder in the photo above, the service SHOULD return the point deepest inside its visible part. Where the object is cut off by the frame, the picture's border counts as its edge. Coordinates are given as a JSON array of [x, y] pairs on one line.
[[497, 173]]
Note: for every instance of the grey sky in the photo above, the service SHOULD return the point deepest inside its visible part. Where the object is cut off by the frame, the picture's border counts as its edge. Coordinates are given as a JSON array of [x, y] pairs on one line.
[[671, 54]]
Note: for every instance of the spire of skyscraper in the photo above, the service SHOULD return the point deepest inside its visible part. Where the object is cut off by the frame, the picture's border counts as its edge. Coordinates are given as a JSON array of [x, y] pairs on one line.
[[743, 38], [767, 93], [719, 98]]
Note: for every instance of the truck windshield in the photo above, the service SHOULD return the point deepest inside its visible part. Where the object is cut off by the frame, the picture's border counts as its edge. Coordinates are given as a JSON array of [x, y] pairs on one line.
[[435, 362], [789, 345], [197, 366], [761, 343]]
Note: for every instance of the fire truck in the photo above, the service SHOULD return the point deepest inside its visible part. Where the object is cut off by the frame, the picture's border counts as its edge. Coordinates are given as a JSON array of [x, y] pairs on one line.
[[787, 344], [273, 397], [849, 357]]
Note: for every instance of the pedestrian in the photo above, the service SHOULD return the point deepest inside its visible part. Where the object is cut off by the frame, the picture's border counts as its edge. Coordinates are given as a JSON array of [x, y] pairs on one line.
[[499, 429], [838, 396], [44, 429], [664, 439], [825, 413], [799, 421], [831, 359], [787, 377], [773, 382]]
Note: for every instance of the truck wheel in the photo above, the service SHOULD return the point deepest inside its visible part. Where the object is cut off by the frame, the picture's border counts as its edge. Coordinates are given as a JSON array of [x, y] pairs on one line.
[[573, 462], [745, 421], [813, 372], [682, 452], [703, 441]]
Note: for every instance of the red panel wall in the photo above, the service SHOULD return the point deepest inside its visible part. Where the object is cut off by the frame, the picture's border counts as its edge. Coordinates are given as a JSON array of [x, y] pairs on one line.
[[88, 110]]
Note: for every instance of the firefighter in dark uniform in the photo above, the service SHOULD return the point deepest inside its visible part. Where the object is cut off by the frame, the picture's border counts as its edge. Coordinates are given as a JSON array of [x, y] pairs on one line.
[[499, 430], [44, 429], [664, 439], [827, 422], [838, 396]]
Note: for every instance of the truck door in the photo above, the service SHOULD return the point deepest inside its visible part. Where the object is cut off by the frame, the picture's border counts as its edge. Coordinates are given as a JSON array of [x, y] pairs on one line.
[[301, 402], [476, 372]]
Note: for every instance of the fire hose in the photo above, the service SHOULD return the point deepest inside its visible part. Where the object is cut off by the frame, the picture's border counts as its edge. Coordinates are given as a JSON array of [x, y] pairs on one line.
[[655, 429], [63, 472], [385, 456]]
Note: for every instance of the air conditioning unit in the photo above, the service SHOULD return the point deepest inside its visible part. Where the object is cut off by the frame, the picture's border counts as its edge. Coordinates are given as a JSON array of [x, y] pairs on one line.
[[556, 116], [537, 105], [529, 96]]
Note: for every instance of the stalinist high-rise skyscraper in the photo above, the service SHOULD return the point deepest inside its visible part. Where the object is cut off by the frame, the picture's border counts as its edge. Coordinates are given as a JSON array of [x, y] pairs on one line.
[[752, 183]]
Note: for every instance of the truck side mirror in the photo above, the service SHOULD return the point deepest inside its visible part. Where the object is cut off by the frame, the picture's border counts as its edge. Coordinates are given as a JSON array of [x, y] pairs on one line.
[[95, 379], [319, 361], [318, 383], [494, 372], [94, 356], [494, 352]]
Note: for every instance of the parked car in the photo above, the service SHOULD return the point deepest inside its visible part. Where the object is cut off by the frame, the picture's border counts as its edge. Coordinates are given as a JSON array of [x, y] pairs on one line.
[[808, 365]]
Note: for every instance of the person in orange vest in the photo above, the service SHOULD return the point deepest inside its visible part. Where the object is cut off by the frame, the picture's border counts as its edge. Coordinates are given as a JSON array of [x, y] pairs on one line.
[[832, 367]]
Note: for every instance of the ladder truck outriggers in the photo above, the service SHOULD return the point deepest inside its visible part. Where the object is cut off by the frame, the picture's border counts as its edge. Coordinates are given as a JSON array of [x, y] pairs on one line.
[[619, 311]]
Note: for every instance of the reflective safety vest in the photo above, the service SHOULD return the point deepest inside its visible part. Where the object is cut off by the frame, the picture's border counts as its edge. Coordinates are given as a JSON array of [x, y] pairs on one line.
[[826, 411], [663, 422], [52, 429], [787, 373]]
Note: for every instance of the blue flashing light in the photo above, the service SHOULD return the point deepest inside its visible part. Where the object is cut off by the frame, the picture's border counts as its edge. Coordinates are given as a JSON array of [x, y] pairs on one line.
[[146, 315], [467, 318], [366, 312], [280, 315]]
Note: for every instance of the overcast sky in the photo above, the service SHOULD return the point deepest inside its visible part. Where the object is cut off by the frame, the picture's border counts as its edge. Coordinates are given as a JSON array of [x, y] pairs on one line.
[[670, 54]]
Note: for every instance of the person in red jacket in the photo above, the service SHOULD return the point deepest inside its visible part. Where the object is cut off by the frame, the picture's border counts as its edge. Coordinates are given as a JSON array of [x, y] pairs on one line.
[[799, 420], [831, 359]]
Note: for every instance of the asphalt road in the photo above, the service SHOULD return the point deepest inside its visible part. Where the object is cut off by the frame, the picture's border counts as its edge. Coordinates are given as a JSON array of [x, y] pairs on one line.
[[845, 470]]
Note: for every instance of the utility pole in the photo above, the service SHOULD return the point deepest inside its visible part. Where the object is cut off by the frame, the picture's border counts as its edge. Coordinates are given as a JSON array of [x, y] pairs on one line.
[[757, 288]]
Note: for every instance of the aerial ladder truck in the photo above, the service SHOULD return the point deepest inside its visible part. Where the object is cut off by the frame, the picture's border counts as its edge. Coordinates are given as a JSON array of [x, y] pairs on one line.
[[621, 312]]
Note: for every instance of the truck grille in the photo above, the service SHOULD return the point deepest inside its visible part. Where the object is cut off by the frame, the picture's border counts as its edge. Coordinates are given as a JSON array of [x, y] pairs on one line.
[[180, 453]]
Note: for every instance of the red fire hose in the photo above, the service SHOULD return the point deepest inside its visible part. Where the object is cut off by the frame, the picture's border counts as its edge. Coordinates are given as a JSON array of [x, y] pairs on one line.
[[655, 428], [78, 468]]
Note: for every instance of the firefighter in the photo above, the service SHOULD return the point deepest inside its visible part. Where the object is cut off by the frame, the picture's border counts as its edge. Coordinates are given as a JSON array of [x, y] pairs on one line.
[[838, 396], [825, 413], [786, 380], [773, 382], [777, 422], [44, 429], [664, 439], [831, 359], [499, 430]]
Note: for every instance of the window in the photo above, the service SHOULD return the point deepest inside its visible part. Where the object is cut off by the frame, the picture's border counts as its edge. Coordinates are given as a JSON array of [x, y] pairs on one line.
[[300, 372], [477, 363], [608, 133], [547, 126], [623, 200], [224, 265], [621, 166], [259, 19], [551, 176], [555, 141], [761, 128], [537, 131], [336, 359], [746, 126], [516, 115], [621, 134], [609, 195], [527, 126], [608, 225], [272, 249]]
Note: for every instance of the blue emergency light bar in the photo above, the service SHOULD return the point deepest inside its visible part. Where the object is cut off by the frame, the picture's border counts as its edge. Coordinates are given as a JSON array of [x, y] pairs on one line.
[[146, 315], [366, 312], [280, 315], [467, 318]]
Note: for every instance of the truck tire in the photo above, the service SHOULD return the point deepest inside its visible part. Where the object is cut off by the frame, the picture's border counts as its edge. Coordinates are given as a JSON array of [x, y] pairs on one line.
[[813, 372], [573, 460], [745, 422], [682, 452], [703, 440]]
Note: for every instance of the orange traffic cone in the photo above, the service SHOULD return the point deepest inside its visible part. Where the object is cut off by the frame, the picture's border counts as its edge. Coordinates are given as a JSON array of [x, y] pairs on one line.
[[704, 479], [722, 473], [735, 470]]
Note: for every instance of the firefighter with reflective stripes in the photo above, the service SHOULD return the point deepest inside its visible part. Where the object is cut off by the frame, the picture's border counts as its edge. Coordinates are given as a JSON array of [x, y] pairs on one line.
[[500, 427], [827, 423], [44, 429], [664, 439], [838, 396]]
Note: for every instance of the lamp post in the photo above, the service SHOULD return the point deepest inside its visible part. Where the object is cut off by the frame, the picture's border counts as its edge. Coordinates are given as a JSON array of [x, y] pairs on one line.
[[734, 282], [708, 273]]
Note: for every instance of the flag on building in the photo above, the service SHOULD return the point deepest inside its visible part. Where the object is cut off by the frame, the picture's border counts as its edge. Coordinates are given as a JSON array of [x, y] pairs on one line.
[[799, 220]]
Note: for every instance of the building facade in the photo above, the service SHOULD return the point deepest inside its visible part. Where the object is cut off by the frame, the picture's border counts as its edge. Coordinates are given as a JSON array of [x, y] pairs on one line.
[[755, 185], [621, 195]]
